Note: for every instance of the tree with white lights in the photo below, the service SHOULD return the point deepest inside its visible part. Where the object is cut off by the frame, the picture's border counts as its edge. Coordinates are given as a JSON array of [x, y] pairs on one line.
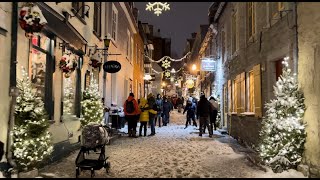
[[68, 96], [31, 139], [283, 132], [92, 107]]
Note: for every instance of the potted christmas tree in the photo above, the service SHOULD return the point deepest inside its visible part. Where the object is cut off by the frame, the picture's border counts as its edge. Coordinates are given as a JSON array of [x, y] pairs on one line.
[[31, 138], [283, 131]]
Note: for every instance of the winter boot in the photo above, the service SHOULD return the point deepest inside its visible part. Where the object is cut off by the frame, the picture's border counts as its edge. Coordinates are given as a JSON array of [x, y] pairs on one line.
[[134, 134], [130, 133]]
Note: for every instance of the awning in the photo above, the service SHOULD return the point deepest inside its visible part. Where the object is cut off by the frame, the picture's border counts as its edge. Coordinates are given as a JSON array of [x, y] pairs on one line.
[[57, 25]]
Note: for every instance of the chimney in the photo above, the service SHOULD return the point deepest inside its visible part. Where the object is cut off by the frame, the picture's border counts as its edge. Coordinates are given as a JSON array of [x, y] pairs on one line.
[[193, 35], [135, 12]]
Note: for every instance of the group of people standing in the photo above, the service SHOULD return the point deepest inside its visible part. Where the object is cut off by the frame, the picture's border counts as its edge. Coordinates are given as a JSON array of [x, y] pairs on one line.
[[206, 112], [146, 111]]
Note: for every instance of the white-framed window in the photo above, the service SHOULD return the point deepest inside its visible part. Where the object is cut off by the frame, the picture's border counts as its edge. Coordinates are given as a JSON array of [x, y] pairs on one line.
[[114, 21], [131, 50], [128, 45]]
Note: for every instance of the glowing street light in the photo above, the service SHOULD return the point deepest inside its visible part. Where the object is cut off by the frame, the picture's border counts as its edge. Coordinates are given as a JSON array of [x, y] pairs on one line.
[[163, 84], [147, 77], [194, 67]]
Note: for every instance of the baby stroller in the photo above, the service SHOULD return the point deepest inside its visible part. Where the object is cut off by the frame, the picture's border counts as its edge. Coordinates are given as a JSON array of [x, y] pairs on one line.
[[94, 139]]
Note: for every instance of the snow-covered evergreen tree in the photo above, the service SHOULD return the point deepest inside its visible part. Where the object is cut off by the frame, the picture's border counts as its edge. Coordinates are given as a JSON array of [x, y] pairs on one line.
[[92, 107], [283, 131], [68, 98], [31, 138]]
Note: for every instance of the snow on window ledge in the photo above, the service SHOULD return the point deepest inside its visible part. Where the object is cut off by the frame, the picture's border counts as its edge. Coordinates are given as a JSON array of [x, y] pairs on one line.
[[248, 113], [233, 113]]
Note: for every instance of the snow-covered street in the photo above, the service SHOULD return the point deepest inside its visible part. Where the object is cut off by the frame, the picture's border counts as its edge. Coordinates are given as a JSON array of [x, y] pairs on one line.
[[172, 152]]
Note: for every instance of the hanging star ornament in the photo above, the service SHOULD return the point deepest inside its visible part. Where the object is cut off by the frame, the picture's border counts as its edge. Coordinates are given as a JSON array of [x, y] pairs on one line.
[[166, 64], [167, 74], [157, 7]]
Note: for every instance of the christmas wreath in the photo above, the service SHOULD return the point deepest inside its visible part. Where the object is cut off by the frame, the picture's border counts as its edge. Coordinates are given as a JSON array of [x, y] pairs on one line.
[[31, 19], [95, 61], [68, 64]]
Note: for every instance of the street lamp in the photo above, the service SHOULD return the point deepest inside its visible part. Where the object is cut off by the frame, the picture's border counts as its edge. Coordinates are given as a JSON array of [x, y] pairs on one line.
[[147, 77], [194, 67], [163, 84]]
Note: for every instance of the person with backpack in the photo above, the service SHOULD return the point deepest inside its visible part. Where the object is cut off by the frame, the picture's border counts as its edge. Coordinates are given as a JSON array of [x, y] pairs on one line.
[[167, 108], [131, 111], [190, 108], [144, 116], [152, 105], [215, 107], [204, 111], [159, 105]]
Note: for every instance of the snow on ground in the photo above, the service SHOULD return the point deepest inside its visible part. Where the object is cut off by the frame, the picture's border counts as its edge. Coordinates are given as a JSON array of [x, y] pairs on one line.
[[172, 152]]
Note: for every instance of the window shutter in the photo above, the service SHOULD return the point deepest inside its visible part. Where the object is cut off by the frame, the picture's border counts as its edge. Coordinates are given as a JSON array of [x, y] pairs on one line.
[[229, 97], [238, 94], [257, 91], [243, 92]]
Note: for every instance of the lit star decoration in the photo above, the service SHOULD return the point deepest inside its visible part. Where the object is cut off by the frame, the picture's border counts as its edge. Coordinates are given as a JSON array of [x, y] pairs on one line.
[[167, 74], [166, 64], [157, 7]]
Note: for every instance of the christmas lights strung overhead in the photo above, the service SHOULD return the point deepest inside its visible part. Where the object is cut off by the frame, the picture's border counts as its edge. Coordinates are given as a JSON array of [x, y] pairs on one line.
[[157, 7], [167, 57], [167, 74]]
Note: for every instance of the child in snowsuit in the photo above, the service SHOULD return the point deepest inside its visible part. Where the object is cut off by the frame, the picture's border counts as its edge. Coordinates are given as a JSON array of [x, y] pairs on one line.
[[190, 108]]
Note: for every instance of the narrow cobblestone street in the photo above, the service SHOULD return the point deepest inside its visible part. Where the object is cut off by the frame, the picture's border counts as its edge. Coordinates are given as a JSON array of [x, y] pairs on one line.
[[172, 152]]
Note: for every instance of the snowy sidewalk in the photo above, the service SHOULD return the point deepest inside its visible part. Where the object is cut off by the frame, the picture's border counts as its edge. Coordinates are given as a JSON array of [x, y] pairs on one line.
[[172, 152]]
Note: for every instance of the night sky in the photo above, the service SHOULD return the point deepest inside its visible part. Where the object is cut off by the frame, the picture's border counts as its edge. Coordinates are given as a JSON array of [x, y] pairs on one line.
[[178, 23]]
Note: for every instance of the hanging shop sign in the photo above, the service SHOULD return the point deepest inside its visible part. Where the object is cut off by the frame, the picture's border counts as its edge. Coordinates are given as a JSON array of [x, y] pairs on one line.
[[111, 66], [208, 65], [190, 83]]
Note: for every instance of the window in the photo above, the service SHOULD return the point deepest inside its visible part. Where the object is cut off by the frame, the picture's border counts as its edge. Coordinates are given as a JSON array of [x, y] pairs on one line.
[[131, 50], [234, 95], [223, 45], [229, 96], [234, 33], [114, 25], [250, 92], [278, 65], [137, 61], [128, 44], [251, 19], [76, 7], [257, 91], [97, 19], [274, 8]]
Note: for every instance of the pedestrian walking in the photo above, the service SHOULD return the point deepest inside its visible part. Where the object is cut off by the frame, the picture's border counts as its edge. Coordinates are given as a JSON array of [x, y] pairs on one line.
[[204, 110], [131, 111], [167, 108], [215, 107], [159, 104], [152, 104], [144, 115], [190, 108]]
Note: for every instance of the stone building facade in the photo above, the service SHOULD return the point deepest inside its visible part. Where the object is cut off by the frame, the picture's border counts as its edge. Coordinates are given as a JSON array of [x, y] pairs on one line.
[[253, 39], [308, 78]]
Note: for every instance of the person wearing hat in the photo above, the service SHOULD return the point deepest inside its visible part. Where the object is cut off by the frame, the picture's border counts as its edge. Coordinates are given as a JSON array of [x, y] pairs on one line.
[[131, 111]]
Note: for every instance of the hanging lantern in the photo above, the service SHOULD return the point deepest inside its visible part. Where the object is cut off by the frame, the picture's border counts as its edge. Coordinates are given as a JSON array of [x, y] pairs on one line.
[[190, 83], [31, 19]]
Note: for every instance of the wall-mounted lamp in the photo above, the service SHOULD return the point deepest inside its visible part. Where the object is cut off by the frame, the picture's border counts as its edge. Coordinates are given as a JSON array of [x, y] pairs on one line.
[[104, 50], [64, 45], [76, 11]]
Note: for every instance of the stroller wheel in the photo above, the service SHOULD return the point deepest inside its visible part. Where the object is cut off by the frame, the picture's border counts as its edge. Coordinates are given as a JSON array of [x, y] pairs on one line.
[[107, 167], [77, 173], [92, 173]]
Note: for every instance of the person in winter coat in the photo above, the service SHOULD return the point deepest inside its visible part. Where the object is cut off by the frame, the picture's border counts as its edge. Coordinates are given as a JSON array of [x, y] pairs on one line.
[[144, 115], [190, 108], [204, 110], [167, 108], [159, 104], [152, 105], [215, 107], [131, 111]]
